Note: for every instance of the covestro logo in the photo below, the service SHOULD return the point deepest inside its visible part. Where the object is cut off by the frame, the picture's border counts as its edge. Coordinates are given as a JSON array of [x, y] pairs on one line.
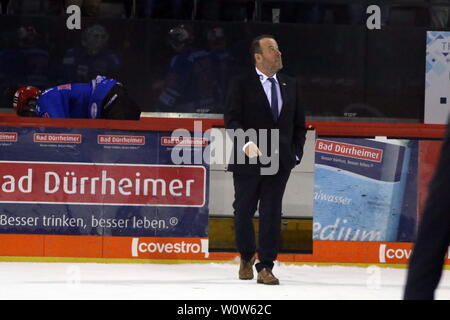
[[390, 253], [177, 246], [397, 252]]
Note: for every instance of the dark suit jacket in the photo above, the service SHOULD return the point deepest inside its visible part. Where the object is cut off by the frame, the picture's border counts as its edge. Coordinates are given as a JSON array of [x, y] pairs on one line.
[[247, 107]]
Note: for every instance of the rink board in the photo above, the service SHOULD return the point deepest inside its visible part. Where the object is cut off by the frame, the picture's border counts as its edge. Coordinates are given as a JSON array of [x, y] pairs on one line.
[[49, 152], [126, 249], [84, 182]]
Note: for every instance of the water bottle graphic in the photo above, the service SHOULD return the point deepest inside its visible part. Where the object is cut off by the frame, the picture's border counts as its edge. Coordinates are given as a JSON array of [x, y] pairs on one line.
[[359, 188]]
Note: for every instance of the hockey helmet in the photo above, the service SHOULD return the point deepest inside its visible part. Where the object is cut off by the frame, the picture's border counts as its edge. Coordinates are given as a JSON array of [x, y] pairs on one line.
[[24, 101]]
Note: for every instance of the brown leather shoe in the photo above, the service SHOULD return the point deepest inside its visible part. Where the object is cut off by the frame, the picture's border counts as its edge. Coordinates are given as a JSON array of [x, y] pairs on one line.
[[246, 269], [266, 276]]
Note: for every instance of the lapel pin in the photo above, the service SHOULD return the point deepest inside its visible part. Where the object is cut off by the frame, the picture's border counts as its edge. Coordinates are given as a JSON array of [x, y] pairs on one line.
[[283, 83]]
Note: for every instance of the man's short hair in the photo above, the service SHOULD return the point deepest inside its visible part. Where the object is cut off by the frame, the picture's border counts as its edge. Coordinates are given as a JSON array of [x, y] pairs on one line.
[[255, 46]]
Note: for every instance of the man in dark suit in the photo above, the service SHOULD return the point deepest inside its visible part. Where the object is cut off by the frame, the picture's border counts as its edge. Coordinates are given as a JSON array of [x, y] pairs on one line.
[[433, 236], [263, 100]]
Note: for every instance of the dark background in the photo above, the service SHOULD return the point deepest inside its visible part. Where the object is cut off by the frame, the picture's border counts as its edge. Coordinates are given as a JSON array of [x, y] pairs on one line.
[[344, 69]]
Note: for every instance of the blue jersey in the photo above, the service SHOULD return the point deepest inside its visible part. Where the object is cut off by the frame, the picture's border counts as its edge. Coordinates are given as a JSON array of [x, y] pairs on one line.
[[221, 62], [79, 100]]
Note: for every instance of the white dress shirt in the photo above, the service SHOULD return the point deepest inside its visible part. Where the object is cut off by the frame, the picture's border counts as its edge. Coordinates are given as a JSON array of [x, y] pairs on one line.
[[267, 86]]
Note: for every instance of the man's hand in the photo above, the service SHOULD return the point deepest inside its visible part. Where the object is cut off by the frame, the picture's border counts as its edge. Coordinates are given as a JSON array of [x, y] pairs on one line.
[[251, 150]]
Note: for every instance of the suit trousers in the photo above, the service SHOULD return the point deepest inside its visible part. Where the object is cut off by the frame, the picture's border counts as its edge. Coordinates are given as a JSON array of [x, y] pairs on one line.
[[267, 191]]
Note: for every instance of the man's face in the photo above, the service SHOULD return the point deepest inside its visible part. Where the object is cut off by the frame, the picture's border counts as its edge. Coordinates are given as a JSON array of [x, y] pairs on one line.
[[95, 41], [269, 60]]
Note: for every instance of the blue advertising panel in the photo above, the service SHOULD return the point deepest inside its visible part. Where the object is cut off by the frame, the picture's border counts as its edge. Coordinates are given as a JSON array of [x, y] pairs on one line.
[[365, 189], [69, 181]]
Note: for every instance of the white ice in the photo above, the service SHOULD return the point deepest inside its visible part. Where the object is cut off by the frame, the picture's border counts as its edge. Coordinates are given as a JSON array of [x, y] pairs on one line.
[[203, 281]]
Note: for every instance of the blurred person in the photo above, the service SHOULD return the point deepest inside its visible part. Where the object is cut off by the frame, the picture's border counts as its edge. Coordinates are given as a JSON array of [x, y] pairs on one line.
[[189, 83], [358, 13], [101, 98], [25, 60], [433, 235], [36, 57], [92, 58], [439, 14], [21, 59], [221, 60], [263, 99], [89, 8]]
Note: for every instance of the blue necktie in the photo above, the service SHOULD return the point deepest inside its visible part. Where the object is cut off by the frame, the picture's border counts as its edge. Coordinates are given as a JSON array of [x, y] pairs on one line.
[[274, 99]]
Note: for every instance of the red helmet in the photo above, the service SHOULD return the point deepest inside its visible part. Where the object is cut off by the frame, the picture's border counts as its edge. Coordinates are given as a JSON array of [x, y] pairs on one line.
[[21, 102]]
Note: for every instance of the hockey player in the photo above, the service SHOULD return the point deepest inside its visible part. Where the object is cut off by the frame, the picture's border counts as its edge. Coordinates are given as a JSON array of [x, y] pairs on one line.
[[189, 84], [93, 57], [222, 61], [102, 98]]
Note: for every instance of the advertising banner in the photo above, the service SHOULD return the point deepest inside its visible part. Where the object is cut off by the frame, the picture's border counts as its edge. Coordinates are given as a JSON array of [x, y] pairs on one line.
[[97, 182], [437, 77], [365, 190], [361, 252]]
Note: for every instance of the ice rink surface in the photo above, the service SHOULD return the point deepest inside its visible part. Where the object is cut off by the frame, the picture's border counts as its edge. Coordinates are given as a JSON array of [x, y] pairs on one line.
[[211, 281]]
